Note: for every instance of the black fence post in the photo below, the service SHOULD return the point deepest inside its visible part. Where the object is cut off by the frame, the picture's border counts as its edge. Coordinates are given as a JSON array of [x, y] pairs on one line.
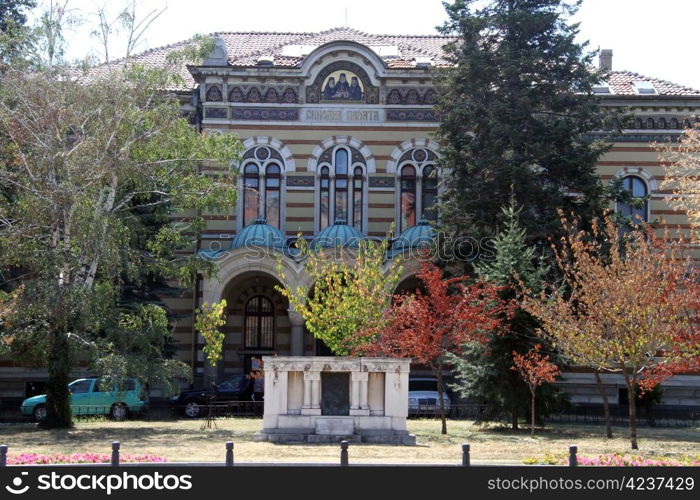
[[466, 461], [344, 453], [3, 455], [115, 453], [573, 462], [229, 453]]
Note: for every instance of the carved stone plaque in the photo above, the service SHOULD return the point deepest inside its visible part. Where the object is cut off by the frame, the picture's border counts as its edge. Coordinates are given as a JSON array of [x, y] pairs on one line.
[[335, 393]]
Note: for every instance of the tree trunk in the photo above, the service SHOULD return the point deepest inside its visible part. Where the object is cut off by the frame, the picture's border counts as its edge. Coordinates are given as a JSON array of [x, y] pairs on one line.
[[441, 391], [606, 405], [532, 414], [632, 400], [514, 418], [58, 413]]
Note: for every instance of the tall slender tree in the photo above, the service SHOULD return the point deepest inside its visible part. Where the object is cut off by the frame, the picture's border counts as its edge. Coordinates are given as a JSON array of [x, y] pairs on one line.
[[517, 112], [483, 372]]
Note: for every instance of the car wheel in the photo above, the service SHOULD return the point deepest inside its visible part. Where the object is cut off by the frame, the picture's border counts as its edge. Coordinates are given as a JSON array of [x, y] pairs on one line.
[[118, 412], [39, 413], [192, 409]]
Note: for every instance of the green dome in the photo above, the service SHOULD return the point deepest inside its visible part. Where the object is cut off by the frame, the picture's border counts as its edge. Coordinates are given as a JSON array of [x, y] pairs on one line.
[[259, 234], [414, 238], [337, 235]]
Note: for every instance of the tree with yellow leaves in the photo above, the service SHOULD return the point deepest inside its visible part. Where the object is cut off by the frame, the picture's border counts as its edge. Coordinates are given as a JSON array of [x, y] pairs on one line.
[[625, 306], [350, 289]]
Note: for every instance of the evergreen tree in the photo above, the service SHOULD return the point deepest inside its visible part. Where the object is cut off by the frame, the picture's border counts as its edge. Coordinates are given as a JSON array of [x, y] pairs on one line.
[[14, 32], [517, 112], [483, 372]]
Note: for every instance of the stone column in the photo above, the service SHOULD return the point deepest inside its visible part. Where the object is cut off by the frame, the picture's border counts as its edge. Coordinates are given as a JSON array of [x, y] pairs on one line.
[[297, 328], [307, 391], [364, 390], [312, 393], [358, 395], [355, 391]]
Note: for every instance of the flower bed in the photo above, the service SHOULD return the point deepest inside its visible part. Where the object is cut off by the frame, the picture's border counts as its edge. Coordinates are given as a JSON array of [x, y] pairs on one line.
[[616, 460], [79, 458]]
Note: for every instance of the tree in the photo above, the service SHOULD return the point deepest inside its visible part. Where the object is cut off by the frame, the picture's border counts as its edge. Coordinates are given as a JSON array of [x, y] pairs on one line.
[[87, 158], [517, 115], [14, 32], [683, 176], [429, 325], [626, 305], [484, 371], [350, 290], [535, 369], [208, 320]]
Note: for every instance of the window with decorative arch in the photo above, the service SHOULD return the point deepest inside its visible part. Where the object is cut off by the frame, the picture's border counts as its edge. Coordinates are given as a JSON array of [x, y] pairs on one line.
[[418, 187], [262, 186], [342, 187], [259, 323], [639, 189]]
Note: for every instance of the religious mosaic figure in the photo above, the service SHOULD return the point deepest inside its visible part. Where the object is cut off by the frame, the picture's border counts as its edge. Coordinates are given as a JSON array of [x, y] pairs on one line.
[[329, 91], [355, 89], [339, 88], [342, 89]]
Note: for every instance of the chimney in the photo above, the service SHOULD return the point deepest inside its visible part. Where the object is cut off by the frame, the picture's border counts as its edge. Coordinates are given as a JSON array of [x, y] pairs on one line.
[[605, 59]]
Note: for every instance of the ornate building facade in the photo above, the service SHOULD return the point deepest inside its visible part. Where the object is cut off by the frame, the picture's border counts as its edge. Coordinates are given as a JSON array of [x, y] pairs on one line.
[[337, 134]]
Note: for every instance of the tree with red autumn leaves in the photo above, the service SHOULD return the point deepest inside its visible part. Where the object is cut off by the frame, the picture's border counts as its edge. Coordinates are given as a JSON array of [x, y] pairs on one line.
[[435, 321], [535, 369]]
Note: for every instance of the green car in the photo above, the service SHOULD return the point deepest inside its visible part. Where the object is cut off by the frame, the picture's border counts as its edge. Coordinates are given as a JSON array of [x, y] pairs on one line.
[[90, 397]]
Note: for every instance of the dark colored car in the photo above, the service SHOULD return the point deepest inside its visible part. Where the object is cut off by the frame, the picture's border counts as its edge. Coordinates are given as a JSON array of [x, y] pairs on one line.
[[232, 388]]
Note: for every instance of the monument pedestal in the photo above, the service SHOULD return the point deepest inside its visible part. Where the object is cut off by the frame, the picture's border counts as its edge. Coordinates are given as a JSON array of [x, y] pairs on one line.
[[328, 399]]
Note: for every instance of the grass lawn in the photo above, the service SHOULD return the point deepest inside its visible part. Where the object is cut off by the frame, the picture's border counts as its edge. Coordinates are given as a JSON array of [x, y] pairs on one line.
[[184, 441]]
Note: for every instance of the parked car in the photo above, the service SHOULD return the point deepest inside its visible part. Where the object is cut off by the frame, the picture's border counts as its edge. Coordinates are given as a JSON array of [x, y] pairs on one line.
[[423, 395], [232, 388], [90, 396]]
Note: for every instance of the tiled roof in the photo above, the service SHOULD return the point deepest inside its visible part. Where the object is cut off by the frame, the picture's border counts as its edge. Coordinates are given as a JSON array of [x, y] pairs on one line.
[[245, 48], [622, 83]]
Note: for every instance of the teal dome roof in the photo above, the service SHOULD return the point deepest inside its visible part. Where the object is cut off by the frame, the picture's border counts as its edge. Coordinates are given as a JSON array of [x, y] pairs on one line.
[[416, 237], [259, 234], [337, 235]]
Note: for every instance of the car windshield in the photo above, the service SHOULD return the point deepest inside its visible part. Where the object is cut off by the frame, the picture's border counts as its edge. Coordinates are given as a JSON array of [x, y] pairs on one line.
[[231, 384], [80, 386], [422, 385]]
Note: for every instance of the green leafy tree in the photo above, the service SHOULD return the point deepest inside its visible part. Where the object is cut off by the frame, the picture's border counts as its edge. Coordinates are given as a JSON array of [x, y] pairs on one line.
[[350, 290], [14, 30], [517, 115], [483, 371], [208, 321], [87, 159]]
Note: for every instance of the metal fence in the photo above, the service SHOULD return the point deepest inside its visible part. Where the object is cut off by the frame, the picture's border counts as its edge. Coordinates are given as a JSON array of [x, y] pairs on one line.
[[163, 410], [229, 458]]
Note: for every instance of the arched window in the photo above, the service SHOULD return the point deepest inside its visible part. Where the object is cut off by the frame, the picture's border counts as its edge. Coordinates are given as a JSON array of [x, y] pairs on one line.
[[357, 189], [263, 182], [408, 197], [251, 193], [341, 171], [341, 184], [272, 195], [638, 189], [430, 184], [259, 323], [325, 198]]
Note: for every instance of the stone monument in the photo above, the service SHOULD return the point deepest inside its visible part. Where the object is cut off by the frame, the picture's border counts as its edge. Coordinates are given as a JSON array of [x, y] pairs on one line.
[[326, 399]]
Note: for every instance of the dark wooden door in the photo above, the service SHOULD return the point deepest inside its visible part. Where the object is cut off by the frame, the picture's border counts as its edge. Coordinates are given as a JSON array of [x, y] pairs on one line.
[[335, 393]]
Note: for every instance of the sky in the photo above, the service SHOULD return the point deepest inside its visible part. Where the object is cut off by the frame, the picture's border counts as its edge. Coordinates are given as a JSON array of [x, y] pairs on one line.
[[650, 37]]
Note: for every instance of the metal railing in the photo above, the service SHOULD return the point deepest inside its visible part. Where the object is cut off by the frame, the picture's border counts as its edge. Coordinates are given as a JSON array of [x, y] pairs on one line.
[[228, 461]]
